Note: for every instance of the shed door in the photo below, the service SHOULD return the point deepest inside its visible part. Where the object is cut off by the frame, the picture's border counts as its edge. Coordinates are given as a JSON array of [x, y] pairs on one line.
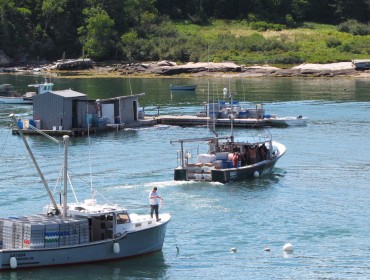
[[108, 112], [74, 113], [134, 109]]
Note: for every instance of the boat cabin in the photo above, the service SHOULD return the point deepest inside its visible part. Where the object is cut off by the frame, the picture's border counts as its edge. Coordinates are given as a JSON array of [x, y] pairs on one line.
[[106, 225], [104, 221]]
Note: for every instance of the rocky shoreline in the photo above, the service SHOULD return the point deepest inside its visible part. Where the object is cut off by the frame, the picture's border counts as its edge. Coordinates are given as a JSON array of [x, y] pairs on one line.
[[199, 69]]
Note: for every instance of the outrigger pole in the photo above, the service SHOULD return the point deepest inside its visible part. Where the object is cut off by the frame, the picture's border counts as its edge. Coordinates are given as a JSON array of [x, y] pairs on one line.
[[12, 116]]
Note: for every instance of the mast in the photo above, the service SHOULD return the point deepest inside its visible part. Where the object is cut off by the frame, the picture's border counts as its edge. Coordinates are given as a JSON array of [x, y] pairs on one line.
[[65, 169], [231, 115], [12, 116]]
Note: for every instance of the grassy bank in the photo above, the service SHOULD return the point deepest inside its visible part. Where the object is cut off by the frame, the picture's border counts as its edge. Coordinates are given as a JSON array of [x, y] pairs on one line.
[[236, 41]]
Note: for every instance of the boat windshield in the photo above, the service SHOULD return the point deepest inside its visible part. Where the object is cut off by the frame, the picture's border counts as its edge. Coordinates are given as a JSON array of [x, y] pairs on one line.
[[122, 218]]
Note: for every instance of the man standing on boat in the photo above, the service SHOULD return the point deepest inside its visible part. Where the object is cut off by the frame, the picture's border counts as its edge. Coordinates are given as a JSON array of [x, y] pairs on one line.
[[154, 203]]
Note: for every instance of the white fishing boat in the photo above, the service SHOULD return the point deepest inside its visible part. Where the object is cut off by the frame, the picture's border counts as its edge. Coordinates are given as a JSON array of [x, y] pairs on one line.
[[286, 121], [9, 96], [79, 232], [256, 113], [225, 159]]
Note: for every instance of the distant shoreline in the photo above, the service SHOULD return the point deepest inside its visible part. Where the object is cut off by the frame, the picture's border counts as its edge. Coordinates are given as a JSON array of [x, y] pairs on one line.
[[199, 69]]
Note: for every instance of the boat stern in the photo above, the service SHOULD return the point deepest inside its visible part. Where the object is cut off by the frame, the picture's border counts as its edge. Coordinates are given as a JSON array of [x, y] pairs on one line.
[[180, 174]]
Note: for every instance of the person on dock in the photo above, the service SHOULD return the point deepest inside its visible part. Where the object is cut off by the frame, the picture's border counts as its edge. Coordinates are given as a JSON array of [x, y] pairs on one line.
[[154, 199]]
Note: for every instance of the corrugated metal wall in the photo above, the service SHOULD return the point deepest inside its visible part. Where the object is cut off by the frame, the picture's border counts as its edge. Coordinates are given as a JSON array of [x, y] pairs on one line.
[[54, 111], [48, 108], [127, 112]]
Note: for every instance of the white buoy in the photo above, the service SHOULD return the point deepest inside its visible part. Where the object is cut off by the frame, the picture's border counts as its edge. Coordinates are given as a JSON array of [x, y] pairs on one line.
[[256, 174], [116, 248], [233, 249], [288, 248], [13, 263]]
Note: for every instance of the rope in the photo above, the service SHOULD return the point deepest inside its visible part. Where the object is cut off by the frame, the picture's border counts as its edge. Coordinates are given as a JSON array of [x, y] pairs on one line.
[[44, 134], [5, 140], [174, 236]]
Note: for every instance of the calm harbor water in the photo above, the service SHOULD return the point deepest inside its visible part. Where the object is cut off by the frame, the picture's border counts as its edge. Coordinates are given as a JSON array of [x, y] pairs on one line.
[[317, 197]]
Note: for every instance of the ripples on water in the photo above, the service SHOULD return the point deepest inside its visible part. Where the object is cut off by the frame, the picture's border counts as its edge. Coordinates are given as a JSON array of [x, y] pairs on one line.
[[317, 197]]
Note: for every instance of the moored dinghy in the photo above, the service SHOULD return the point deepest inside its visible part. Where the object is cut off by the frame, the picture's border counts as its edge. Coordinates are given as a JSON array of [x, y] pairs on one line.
[[183, 87], [79, 232]]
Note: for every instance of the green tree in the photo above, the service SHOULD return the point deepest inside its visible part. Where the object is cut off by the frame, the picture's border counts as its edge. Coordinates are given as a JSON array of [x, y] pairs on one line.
[[14, 23], [97, 34], [140, 12], [129, 44], [50, 8], [300, 8]]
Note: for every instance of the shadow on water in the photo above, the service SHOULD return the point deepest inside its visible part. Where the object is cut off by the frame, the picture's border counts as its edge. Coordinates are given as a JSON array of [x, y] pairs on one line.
[[259, 184], [253, 184], [151, 266]]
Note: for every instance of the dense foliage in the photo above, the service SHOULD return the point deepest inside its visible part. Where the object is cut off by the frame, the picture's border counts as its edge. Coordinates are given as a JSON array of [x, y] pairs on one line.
[[253, 31]]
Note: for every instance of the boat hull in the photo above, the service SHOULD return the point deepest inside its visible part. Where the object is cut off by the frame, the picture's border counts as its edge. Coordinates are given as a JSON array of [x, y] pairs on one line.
[[225, 175], [15, 100], [287, 121], [243, 173], [131, 244], [184, 87]]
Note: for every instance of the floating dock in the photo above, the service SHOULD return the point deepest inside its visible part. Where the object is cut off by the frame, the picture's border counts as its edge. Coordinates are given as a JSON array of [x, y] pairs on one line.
[[182, 120], [199, 121], [148, 121]]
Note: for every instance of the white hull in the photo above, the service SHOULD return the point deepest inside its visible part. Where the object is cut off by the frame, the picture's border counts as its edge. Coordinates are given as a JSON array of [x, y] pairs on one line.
[[15, 100], [288, 121], [142, 241]]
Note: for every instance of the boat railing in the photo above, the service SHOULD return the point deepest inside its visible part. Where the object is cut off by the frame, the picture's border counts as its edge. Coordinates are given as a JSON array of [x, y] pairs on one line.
[[186, 157]]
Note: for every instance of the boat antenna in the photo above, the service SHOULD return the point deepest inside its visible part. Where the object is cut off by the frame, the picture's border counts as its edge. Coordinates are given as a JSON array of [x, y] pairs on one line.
[[88, 137], [129, 82], [231, 115], [207, 106], [65, 176], [57, 211]]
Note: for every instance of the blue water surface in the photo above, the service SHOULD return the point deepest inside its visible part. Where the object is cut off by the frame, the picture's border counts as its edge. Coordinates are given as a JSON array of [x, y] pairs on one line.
[[317, 197]]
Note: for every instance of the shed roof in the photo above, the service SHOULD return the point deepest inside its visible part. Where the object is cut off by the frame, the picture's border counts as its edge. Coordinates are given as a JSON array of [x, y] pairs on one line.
[[122, 97], [67, 93]]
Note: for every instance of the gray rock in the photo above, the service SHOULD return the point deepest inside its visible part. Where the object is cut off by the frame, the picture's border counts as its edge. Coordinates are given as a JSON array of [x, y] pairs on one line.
[[4, 59]]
